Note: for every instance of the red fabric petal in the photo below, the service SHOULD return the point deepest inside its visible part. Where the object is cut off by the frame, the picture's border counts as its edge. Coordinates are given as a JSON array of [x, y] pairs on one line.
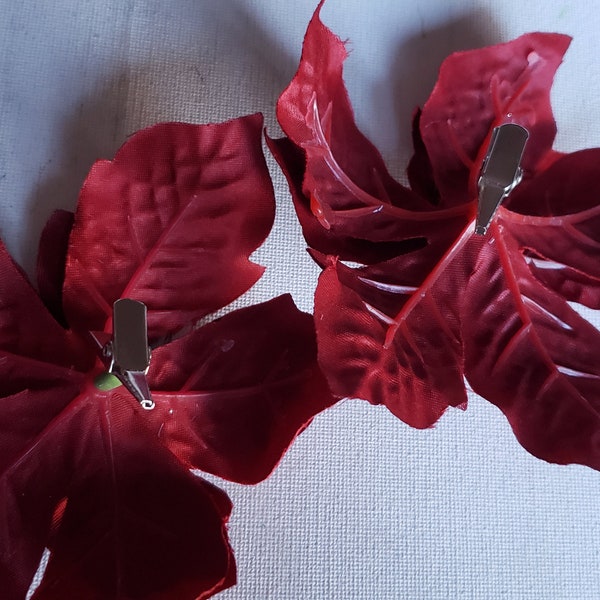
[[29, 402], [561, 250], [507, 83], [315, 112], [249, 384], [345, 187], [346, 184], [179, 206], [532, 356], [121, 517], [412, 363]]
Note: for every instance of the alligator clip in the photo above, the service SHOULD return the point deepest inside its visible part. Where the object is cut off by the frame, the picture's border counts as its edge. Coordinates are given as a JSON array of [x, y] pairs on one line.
[[500, 172], [127, 353]]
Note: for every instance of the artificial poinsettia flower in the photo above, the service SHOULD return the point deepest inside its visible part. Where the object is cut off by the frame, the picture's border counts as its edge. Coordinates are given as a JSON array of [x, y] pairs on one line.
[[431, 303], [85, 472]]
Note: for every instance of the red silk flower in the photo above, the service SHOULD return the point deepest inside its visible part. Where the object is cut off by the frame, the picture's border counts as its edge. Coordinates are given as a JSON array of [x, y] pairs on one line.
[[103, 484], [430, 302]]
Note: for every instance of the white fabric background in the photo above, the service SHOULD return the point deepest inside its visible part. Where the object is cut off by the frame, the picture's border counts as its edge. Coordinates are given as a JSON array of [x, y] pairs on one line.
[[362, 506]]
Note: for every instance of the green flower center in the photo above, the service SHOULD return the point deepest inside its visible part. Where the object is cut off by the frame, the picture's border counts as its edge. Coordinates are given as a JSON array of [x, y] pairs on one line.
[[106, 382]]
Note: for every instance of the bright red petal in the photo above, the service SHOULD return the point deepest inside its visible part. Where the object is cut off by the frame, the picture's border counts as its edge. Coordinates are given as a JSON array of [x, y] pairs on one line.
[[171, 222], [506, 83], [345, 188], [249, 384], [314, 111]]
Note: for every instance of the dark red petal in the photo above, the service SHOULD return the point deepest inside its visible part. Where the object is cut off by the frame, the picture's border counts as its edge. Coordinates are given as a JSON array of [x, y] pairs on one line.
[[344, 169], [559, 229], [370, 234], [570, 185], [171, 221], [31, 395], [52, 255], [506, 83], [532, 356], [27, 328], [121, 517], [249, 384]]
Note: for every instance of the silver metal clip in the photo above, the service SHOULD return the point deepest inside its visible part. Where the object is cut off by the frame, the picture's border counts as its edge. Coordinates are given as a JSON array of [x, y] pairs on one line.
[[128, 353], [500, 172]]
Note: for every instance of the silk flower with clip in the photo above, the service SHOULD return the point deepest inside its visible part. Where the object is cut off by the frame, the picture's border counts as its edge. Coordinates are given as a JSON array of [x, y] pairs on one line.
[[85, 471], [431, 302]]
